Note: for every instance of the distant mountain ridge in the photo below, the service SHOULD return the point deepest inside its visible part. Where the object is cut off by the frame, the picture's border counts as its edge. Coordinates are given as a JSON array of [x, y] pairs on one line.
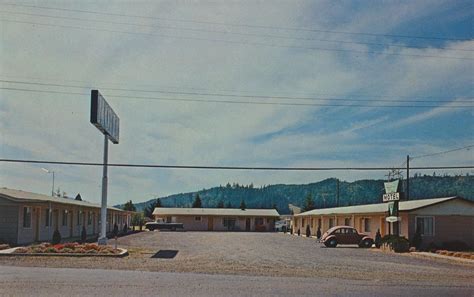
[[325, 193]]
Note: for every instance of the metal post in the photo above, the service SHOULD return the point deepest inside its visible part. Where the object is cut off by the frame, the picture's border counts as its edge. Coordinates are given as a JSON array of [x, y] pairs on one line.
[[408, 178], [103, 211]]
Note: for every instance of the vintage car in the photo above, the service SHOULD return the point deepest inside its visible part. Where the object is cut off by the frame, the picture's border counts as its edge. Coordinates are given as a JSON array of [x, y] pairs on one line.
[[345, 235], [160, 224]]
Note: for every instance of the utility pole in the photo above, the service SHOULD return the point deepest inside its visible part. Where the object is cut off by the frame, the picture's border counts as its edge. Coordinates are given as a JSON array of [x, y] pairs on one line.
[[408, 178]]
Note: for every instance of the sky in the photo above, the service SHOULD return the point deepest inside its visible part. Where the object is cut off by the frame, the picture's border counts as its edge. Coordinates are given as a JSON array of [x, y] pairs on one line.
[[148, 58]]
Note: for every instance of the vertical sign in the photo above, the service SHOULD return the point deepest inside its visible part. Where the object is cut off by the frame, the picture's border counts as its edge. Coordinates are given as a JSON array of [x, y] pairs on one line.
[[106, 120]]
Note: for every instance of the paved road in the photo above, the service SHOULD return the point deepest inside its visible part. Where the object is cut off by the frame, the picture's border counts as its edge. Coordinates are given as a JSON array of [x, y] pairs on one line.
[[23, 281], [264, 254]]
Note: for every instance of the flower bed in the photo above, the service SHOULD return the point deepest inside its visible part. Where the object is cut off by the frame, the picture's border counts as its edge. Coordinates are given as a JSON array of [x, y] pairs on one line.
[[68, 248], [464, 255]]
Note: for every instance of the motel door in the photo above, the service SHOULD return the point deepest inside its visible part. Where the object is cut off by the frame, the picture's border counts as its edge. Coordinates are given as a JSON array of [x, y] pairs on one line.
[[37, 223], [247, 224], [210, 224]]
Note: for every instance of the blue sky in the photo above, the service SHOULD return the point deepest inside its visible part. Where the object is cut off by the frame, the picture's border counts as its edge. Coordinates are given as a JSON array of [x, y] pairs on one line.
[[167, 49]]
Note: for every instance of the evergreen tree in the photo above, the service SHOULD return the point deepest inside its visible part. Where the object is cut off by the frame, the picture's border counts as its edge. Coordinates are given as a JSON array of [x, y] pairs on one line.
[[228, 205], [242, 205], [129, 206], [197, 202], [148, 211], [220, 204]]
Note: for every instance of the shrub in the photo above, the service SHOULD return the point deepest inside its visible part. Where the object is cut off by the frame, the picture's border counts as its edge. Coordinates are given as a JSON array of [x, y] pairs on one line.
[[416, 240], [308, 231], [318, 233], [455, 245], [115, 231], [83, 235], [56, 237], [4, 246], [378, 239], [432, 247], [92, 251], [398, 244], [125, 229]]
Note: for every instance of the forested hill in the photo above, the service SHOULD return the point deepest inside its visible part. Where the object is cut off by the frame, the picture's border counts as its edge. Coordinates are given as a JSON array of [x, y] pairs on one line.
[[324, 193]]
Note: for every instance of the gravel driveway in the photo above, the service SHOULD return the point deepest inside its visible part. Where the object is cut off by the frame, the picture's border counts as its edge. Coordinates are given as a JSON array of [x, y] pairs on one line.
[[265, 254]]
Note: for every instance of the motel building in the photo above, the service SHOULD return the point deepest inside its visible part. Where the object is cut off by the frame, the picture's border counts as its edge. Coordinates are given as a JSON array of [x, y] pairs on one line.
[[439, 219], [219, 219], [27, 217]]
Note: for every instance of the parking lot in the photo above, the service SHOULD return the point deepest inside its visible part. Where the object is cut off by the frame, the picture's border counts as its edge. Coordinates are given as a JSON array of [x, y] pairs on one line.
[[263, 254]]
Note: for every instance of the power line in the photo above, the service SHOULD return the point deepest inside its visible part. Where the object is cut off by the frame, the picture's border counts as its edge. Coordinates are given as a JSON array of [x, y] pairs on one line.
[[443, 152], [241, 102], [240, 25], [441, 98], [206, 167], [236, 33], [231, 95], [242, 42]]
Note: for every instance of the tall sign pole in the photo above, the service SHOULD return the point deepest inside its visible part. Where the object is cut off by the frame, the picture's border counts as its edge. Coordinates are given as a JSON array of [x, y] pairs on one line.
[[107, 121], [103, 208]]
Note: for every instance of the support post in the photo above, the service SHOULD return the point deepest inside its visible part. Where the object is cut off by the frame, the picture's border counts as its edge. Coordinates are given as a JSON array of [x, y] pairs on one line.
[[103, 211], [408, 179]]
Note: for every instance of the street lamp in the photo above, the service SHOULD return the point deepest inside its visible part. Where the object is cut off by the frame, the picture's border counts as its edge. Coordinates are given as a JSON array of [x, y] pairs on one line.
[[50, 171]]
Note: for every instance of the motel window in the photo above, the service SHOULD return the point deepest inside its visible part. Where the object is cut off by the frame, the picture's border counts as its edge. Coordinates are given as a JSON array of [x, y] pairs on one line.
[[366, 225], [26, 217], [331, 222], [228, 222], [425, 225], [347, 221], [302, 222], [46, 217], [79, 218], [198, 219], [65, 217], [89, 218], [258, 221]]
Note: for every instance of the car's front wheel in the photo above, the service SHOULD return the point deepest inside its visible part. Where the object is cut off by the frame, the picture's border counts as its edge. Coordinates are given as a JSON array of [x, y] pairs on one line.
[[367, 243], [331, 243]]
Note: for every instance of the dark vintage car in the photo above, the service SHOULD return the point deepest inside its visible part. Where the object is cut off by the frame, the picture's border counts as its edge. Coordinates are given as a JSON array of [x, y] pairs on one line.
[[163, 226], [345, 235]]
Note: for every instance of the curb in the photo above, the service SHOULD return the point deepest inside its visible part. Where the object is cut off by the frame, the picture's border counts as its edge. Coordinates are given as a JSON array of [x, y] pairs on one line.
[[10, 252]]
